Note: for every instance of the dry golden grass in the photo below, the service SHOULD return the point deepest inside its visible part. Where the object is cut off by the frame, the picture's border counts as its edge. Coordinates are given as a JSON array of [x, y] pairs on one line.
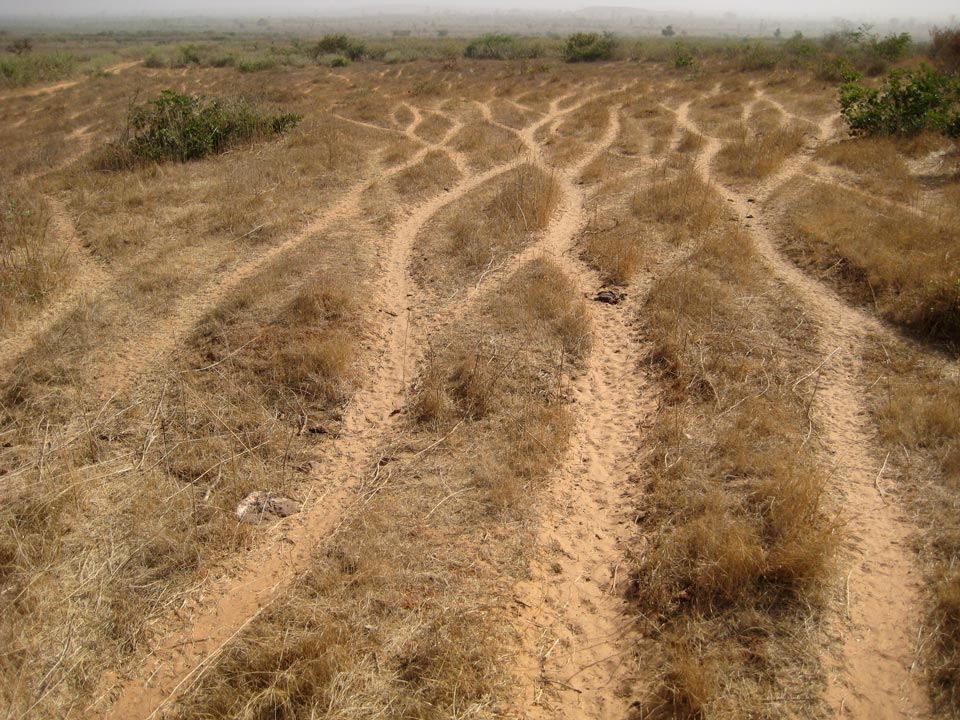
[[32, 265], [738, 545], [436, 172], [578, 131], [480, 231], [393, 613], [680, 206], [719, 114], [891, 260], [755, 153], [116, 506], [878, 165], [486, 145], [434, 127], [139, 492]]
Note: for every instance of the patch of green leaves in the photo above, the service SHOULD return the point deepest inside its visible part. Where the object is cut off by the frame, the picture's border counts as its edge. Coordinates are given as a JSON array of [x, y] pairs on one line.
[[909, 102], [588, 47], [182, 127]]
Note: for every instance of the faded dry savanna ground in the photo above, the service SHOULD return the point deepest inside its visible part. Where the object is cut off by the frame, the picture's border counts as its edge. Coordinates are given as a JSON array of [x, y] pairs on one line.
[[733, 493]]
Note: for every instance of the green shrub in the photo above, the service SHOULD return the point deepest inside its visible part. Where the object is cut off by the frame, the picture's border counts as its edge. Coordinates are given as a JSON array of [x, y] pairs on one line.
[[182, 128], [256, 64], [339, 45], [29, 69], [682, 57], [494, 46], [587, 47], [189, 55], [154, 60], [339, 61], [757, 56], [910, 102]]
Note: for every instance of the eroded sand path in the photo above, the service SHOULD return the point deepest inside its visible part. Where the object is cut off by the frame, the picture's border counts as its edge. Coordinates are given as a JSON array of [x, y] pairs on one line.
[[179, 659]]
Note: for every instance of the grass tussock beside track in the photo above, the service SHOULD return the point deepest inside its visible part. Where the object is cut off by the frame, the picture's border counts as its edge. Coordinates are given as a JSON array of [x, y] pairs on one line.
[[737, 548], [916, 405], [480, 231], [32, 266], [396, 610], [859, 246]]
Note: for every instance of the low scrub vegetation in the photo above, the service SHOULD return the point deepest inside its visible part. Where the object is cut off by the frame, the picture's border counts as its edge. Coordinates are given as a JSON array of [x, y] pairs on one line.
[[587, 47], [182, 128], [31, 265], [909, 102], [503, 47], [27, 69]]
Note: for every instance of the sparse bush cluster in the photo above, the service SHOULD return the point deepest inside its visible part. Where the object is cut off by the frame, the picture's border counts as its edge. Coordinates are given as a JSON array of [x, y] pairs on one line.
[[27, 69], [183, 128], [587, 47], [909, 102], [494, 46], [339, 46]]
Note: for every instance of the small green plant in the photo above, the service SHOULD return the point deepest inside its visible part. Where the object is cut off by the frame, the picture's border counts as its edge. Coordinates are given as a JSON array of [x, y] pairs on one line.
[[339, 61], [682, 57], [189, 55], [910, 102], [182, 128], [339, 45], [588, 47]]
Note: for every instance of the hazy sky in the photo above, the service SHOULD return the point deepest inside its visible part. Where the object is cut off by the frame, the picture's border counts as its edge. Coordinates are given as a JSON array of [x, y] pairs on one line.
[[852, 9]]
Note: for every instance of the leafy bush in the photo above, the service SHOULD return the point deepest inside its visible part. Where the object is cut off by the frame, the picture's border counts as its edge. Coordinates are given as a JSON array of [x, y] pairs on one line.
[[494, 46], [154, 60], [339, 61], [910, 102], [587, 47], [682, 57], [180, 127], [339, 45]]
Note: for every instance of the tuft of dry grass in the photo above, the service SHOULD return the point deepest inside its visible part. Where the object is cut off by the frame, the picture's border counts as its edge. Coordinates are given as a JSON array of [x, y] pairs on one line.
[[886, 258], [481, 230], [32, 265], [754, 154], [434, 173], [737, 542], [486, 145], [682, 206], [878, 164]]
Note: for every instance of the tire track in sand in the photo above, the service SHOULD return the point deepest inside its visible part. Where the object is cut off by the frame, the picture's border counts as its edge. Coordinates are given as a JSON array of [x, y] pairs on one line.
[[576, 637], [178, 660], [874, 679]]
